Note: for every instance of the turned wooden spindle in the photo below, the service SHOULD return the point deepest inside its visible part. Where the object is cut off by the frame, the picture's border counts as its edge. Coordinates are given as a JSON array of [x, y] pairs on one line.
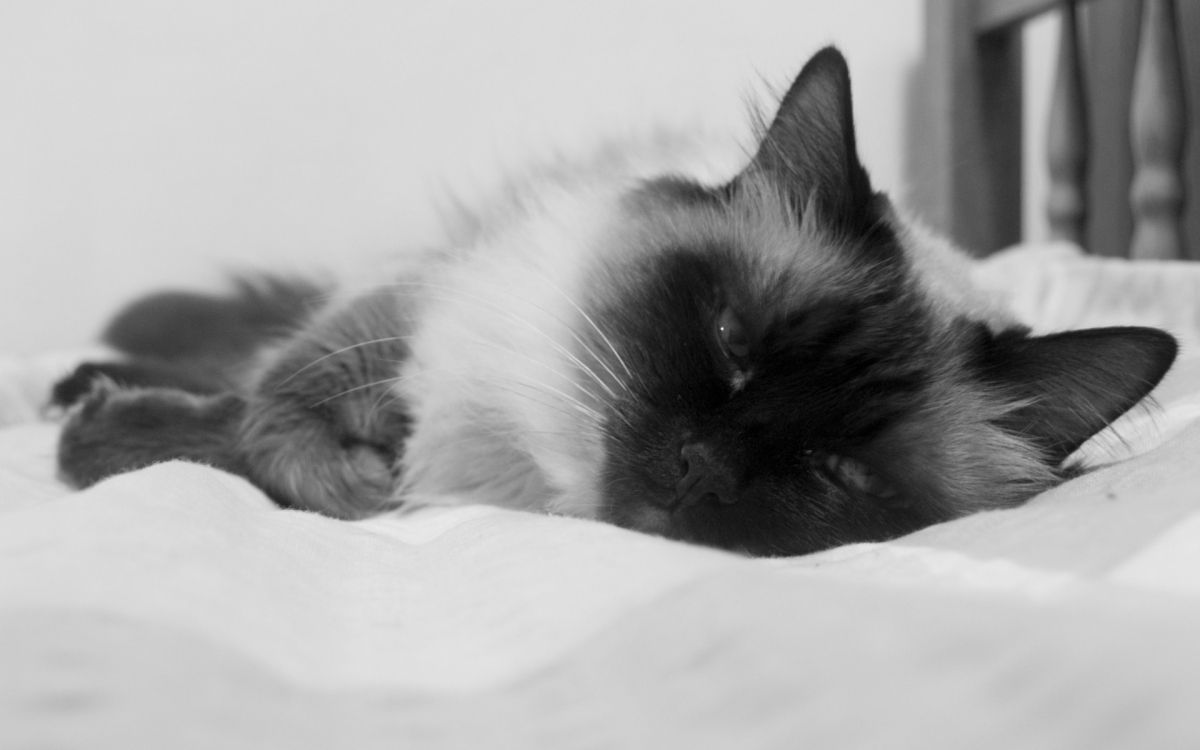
[[1067, 137], [1158, 122]]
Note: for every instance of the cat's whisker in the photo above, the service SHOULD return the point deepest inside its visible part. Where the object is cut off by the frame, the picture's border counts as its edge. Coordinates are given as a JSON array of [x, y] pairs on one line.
[[381, 402], [343, 350], [581, 341], [541, 364], [580, 408], [508, 314], [360, 387], [601, 360], [570, 400], [619, 414], [595, 414], [586, 346], [577, 405], [588, 318], [459, 295]]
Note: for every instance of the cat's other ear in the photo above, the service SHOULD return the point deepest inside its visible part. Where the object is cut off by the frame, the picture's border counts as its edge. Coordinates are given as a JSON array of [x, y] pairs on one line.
[[1076, 383], [809, 148]]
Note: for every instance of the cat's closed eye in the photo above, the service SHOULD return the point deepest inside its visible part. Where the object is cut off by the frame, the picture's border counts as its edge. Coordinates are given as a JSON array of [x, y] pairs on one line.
[[854, 475]]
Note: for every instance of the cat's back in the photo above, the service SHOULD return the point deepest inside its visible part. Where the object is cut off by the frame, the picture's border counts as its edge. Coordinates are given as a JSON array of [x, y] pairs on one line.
[[945, 275]]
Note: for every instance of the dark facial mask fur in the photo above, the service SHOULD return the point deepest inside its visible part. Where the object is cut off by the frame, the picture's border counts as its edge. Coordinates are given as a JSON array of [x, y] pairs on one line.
[[761, 365]]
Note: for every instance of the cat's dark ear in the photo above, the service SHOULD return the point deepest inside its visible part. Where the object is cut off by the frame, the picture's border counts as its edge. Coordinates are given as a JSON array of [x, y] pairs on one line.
[[1076, 383], [809, 147]]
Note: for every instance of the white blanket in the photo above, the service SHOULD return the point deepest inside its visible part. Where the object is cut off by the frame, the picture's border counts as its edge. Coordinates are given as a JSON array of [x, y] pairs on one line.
[[176, 607]]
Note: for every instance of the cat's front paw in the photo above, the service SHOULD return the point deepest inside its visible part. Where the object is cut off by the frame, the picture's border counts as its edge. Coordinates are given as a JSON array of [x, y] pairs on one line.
[[306, 458], [86, 445], [112, 430], [375, 468]]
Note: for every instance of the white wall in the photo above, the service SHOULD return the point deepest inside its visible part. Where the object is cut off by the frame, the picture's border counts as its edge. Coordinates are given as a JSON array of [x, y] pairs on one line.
[[147, 143]]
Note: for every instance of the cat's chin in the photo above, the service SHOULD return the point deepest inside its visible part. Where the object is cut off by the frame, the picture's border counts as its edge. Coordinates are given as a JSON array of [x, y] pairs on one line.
[[648, 517]]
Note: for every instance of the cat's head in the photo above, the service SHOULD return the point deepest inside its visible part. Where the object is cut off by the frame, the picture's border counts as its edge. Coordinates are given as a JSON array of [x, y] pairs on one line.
[[780, 378]]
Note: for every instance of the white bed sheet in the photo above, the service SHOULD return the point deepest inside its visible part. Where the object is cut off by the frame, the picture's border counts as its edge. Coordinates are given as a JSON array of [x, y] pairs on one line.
[[176, 607]]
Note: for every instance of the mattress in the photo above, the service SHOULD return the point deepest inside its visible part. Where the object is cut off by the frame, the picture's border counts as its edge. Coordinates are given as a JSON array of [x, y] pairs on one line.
[[177, 607]]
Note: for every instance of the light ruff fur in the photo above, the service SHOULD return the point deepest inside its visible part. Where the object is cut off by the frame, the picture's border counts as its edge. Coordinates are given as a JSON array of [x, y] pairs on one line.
[[490, 380]]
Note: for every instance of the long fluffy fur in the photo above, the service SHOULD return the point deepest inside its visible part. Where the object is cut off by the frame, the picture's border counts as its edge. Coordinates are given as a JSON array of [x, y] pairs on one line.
[[565, 353]]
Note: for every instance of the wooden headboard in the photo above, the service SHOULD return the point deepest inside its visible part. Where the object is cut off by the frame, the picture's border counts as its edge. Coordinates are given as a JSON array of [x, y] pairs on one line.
[[1118, 131]]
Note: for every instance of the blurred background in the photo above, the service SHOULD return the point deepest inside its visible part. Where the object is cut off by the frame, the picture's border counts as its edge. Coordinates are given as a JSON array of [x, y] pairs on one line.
[[146, 144]]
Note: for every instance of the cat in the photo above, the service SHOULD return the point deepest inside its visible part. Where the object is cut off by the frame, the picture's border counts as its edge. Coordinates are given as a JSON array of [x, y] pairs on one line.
[[773, 363]]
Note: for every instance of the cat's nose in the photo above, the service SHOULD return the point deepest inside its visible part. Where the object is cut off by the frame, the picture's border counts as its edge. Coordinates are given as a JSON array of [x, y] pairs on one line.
[[705, 477]]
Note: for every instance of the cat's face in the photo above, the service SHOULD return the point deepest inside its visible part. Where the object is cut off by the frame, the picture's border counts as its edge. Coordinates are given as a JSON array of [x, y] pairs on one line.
[[783, 382], [770, 364], [764, 363]]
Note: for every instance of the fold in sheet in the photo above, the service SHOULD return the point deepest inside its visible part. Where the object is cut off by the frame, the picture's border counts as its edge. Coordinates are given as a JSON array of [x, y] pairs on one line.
[[175, 606]]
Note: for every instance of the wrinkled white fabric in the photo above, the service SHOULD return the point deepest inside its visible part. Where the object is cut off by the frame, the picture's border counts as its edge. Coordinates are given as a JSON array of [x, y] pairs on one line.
[[176, 607]]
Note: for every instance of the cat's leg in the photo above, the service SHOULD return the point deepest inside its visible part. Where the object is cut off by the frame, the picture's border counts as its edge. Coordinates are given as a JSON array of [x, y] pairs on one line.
[[113, 430], [334, 456], [320, 427], [136, 373], [324, 429], [200, 343], [186, 327]]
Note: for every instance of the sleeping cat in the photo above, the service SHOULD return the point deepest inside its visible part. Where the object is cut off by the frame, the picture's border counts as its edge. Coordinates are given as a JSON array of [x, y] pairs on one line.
[[774, 363]]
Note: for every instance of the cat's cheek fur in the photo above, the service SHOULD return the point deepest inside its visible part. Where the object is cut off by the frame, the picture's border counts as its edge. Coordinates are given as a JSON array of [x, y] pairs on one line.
[[496, 378], [967, 463]]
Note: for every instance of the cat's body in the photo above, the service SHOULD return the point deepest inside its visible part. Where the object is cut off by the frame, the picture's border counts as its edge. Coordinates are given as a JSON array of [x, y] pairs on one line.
[[774, 363]]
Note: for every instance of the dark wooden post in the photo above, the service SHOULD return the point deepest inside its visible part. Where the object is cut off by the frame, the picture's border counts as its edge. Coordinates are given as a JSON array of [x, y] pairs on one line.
[[1158, 125], [975, 119], [1068, 140]]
